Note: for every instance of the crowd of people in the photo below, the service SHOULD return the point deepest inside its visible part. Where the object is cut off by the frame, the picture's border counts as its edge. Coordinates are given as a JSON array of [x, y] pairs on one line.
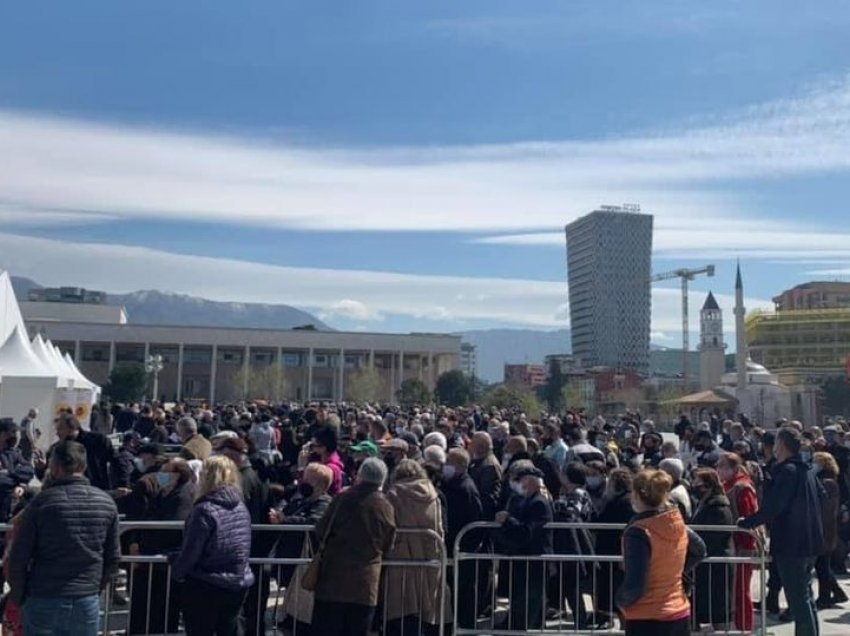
[[367, 478]]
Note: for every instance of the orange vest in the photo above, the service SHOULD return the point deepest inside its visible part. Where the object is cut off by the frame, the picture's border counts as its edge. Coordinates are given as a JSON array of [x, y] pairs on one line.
[[665, 597]]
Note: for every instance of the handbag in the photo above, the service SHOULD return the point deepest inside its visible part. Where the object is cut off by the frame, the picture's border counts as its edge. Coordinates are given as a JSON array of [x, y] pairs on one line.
[[310, 578]]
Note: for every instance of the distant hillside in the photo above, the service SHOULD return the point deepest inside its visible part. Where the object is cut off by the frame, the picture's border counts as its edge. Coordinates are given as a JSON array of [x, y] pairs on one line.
[[162, 308], [499, 346]]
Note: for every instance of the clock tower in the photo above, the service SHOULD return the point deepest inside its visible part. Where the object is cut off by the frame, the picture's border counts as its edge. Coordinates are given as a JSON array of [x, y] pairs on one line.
[[712, 350]]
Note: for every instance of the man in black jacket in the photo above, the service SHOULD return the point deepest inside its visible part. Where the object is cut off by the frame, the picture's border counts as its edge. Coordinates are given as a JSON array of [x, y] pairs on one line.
[[523, 532], [99, 450], [15, 472], [463, 506], [66, 549], [792, 509]]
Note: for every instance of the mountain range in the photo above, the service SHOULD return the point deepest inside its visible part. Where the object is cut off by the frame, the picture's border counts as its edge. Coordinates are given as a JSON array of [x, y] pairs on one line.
[[165, 308]]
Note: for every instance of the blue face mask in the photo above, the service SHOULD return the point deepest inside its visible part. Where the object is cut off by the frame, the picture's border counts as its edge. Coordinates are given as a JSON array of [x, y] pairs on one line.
[[163, 479]]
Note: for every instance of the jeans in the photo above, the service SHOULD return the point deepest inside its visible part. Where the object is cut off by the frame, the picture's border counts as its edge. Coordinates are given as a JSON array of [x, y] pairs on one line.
[[796, 574], [62, 615]]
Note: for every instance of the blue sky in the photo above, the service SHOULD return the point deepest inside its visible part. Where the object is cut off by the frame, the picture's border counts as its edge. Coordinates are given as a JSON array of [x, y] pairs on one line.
[[409, 166]]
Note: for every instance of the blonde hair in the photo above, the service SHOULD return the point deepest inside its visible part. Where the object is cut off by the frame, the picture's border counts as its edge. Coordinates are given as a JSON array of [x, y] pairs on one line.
[[652, 487], [217, 472], [828, 463], [324, 475]]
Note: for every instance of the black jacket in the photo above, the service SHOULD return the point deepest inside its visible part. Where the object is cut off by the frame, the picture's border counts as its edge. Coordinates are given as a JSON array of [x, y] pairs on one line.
[[100, 455], [487, 475], [255, 492], [67, 543], [300, 512], [524, 532], [618, 509], [715, 511], [122, 468], [463, 506], [792, 507], [14, 471]]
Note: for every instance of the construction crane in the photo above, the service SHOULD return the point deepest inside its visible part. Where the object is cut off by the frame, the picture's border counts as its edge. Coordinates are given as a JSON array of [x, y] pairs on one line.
[[686, 275]]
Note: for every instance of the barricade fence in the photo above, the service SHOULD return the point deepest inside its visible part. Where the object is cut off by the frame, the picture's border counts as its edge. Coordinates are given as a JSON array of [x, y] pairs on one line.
[[519, 594], [478, 591]]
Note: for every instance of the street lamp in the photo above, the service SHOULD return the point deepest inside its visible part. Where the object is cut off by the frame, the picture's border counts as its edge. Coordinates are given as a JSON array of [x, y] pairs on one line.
[[154, 364]]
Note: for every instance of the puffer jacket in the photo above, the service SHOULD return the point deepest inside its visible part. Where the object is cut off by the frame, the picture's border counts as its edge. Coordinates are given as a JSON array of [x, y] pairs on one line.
[[67, 544], [216, 542]]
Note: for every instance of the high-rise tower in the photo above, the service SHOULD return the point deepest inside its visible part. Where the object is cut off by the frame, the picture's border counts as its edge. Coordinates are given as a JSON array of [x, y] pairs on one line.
[[609, 254], [712, 350]]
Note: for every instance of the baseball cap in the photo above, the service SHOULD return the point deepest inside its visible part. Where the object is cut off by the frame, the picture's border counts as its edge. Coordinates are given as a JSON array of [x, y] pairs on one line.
[[367, 446]]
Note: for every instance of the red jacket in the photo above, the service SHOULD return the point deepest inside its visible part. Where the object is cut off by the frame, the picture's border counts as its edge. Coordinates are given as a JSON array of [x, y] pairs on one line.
[[744, 500]]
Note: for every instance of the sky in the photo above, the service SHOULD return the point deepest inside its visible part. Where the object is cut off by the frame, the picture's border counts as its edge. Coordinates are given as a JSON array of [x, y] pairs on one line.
[[409, 166]]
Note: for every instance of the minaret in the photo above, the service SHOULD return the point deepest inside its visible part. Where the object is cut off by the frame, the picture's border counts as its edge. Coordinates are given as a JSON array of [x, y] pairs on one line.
[[712, 350], [740, 333]]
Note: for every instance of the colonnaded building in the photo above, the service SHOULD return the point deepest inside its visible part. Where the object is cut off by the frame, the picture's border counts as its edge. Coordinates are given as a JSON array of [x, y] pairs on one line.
[[215, 364]]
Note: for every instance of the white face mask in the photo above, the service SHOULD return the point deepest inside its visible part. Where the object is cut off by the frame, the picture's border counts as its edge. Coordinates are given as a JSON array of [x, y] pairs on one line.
[[518, 488], [449, 471], [139, 464]]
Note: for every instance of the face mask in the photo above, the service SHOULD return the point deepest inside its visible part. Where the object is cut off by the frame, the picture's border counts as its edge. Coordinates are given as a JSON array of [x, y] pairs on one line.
[[807, 456], [305, 490], [139, 464], [594, 482], [518, 488], [507, 457], [163, 479], [448, 471], [399, 430]]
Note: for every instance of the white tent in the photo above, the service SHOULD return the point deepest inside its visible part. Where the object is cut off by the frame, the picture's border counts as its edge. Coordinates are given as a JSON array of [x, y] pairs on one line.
[[36, 375], [10, 313], [26, 383]]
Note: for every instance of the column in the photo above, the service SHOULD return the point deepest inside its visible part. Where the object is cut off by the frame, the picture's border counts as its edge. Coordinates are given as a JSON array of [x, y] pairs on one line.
[[341, 375], [309, 374], [282, 375], [213, 373], [111, 356], [78, 353], [246, 366], [400, 368], [147, 352], [432, 383], [392, 378], [180, 372], [371, 358]]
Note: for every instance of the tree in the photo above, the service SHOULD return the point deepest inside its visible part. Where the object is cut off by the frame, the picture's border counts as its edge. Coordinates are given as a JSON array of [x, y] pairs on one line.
[[127, 382], [263, 383], [364, 386], [413, 392], [836, 395], [553, 390], [573, 397], [454, 389], [509, 398]]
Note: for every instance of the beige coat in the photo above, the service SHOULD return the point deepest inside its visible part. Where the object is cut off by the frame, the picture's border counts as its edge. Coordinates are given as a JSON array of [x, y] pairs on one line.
[[414, 591]]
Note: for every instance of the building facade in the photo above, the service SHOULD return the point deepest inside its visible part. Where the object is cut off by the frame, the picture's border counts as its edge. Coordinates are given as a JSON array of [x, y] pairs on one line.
[[213, 364], [712, 349], [814, 295], [609, 254], [469, 359], [527, 376]]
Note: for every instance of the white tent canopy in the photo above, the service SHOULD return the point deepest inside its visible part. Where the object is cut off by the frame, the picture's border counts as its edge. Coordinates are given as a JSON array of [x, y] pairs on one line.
[[35, 375]]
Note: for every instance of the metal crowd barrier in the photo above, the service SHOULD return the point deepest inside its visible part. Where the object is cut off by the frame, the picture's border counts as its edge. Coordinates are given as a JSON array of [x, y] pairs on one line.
[[277, 598], [510, 592]]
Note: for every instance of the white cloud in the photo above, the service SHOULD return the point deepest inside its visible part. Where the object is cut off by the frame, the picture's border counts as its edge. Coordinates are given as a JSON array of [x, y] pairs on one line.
[[710, 240], [63, 166], [450, 299], [352, 309]]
